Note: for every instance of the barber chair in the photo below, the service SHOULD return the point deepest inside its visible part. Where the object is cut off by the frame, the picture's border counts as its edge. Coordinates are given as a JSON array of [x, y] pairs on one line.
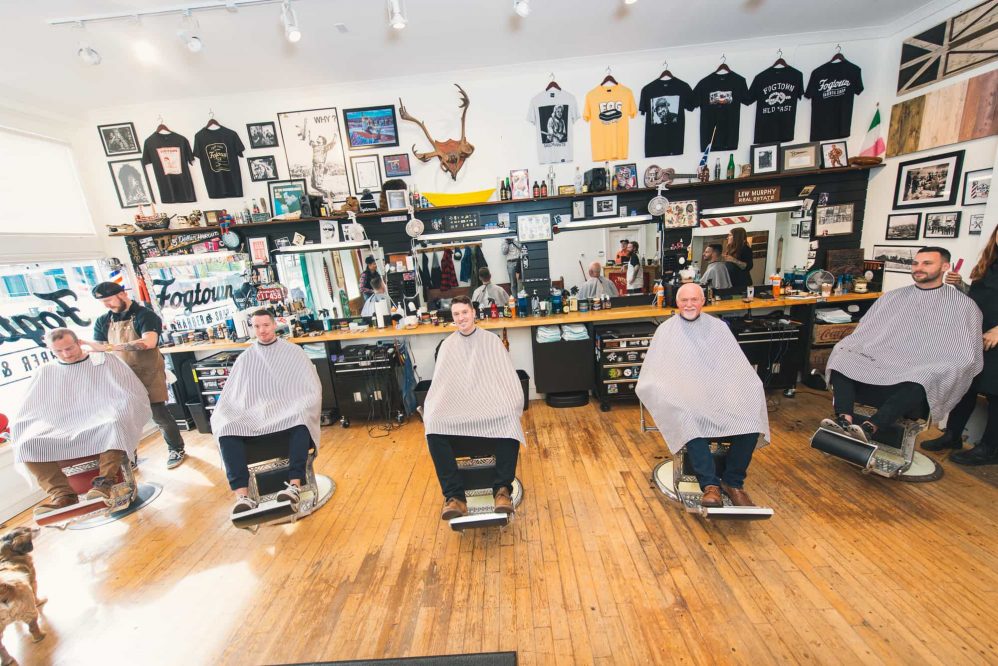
[[267, 456], [476, 462]]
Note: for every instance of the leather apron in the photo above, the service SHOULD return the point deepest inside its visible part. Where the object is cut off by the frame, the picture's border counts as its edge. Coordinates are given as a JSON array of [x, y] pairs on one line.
[[148, 364]]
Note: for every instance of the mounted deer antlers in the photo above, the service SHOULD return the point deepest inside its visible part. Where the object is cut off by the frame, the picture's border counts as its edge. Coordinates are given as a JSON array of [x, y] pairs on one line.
[[451, 153]]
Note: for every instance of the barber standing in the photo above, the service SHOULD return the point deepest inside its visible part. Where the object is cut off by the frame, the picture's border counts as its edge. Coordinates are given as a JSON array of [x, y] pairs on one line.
[[132, 332]]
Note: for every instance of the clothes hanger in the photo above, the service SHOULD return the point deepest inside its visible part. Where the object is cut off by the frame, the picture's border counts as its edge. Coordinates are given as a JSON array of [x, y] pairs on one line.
[[211, 120], [780, 62], [666, 74], [608, 78], [162, 126], [838, 57], [723, 67], [552, 84]]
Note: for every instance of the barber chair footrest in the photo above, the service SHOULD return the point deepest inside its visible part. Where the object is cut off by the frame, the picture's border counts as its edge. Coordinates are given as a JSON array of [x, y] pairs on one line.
[[265, 513], [476, 520], [688, 494], [83, 508]]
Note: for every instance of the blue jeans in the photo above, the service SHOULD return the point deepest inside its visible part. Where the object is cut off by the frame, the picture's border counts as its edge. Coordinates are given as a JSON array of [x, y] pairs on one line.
[[234, 455], [735, 465]]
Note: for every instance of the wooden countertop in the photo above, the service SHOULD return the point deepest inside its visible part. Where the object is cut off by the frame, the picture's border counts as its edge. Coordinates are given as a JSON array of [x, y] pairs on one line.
[[614, 314]]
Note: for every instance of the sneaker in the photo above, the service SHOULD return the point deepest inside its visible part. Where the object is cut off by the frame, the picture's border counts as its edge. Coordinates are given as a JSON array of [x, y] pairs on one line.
[[454, 508], [856, 432], [940, 443], [503, 501], [56, 503], [175, 458], [839, 425], [243, 504], [291, 493], [101, 489], [870, 430]]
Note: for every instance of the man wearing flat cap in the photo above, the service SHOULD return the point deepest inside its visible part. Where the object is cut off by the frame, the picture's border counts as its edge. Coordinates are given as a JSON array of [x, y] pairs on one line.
[[131, 331]]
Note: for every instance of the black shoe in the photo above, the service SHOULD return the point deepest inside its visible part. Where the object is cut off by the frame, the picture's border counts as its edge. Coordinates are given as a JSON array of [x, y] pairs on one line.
[[940, 443], [979, 455]]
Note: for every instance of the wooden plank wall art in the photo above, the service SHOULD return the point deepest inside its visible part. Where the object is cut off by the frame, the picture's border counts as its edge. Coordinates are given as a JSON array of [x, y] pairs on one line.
[[968, 40], [960, 112]]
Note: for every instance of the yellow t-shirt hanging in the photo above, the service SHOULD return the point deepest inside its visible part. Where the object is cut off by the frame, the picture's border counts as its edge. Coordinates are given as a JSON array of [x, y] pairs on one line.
[[608, 110]]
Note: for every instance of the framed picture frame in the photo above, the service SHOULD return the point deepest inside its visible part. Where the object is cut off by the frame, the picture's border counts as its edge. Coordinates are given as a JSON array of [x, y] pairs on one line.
[[131, 182], [397, 199], [579, 210], [928, 181], [262, 135], [799, 156], [119, 139], [682, 214], [942, 225], [903, 226], [314, 150], [366, 171], [975, 224], [766, 158], [605, 206], [834, 220], [530, 228], [834, 155], [519, 184], [626, 175], [976, 187], [288, 196], [371, 127], [566, 190], [258, 248], [896, 258], [397, 166], [262, 168]]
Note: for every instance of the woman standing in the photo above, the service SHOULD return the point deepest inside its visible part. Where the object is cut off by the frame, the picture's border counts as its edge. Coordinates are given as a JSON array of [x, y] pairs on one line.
[[635, 276], [984, 290], [738, 254]]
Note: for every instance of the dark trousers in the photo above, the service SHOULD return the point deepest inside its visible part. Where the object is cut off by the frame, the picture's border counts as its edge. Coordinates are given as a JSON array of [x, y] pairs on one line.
[[234, 455], [735, 464], [167, 426], [958, 418], [442, 451], [895, 401]]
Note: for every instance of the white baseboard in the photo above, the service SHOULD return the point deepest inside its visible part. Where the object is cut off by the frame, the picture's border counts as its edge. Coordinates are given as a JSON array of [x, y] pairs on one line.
[[17, 492]]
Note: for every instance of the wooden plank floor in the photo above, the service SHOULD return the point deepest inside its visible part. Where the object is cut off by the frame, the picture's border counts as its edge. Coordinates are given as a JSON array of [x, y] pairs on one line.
[[597, 567]]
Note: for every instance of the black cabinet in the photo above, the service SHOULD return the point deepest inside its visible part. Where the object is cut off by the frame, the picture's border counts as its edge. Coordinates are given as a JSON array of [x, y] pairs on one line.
[[620, 352]]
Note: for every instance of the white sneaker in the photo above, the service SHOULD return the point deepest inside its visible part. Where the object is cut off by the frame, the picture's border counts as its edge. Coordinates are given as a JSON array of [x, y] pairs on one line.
[[856, 432], [243, 504], [291, 493]]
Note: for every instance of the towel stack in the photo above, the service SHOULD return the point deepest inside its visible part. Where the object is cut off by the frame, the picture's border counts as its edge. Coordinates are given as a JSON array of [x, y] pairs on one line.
[[574, 332], [548, 334]]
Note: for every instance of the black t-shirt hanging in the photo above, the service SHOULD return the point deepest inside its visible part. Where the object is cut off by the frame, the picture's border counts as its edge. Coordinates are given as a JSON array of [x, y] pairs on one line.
[[219, 151], [775, 92], [664, 105], [170, 156], [719, 97], [831, 90]]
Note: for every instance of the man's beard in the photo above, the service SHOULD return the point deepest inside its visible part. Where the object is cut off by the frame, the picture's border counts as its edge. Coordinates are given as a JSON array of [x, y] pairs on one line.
[[927, 277]]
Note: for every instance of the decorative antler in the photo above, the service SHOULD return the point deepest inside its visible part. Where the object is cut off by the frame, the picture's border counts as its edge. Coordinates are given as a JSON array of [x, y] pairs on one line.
[[465, 103], [422, 157], [451, 153]]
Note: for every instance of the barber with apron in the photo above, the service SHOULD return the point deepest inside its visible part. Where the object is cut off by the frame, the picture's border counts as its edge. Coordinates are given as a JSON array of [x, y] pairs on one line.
[[131, 331]]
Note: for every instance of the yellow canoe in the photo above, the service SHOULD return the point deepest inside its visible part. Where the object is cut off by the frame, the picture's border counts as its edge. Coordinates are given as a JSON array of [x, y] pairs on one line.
[[459, 198]]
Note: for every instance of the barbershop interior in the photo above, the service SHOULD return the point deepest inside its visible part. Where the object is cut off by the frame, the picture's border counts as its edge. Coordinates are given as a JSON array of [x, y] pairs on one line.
[[498, 332]]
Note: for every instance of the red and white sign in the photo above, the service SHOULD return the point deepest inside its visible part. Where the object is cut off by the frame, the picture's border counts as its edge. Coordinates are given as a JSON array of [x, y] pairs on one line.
[[722, 221]]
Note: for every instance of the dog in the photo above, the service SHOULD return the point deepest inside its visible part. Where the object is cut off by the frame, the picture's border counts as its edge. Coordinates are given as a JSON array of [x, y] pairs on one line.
[[19, 599]]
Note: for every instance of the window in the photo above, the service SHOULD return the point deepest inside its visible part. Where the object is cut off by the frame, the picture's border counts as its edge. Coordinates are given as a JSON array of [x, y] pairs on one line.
[[15, 285], [86, 275], [57, 279]]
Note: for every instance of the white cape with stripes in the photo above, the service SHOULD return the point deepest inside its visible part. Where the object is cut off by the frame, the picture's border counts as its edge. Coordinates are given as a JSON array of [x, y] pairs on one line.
[[928, 336], [270, 388], [475, 389], [696, 382], [80, 409]]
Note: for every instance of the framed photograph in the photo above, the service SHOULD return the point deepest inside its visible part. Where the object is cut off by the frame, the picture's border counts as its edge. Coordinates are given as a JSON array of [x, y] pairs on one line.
[[531, 228], [287, 196], [834, 155], [765, 158], [804, 229], [976, 187], [896, 258], [119, 139], [799, 157], [578, 210], [928, 181], [262, 135], [366, 173], [942, 225], [681, 214], [605, 206], [262, 168], [397, 165], [975, 224], [903, 226], [315, 152], [833, 220], [566, 190], [131, 182], [519, 183], [397, 199], [794, 229], [371, 127], [626, 175], [259, 250]]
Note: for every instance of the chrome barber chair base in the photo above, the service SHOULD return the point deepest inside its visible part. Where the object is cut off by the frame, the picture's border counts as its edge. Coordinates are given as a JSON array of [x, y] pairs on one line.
[[271, 512], [688, 493], [481, 509], [904, 464], [146, 493]]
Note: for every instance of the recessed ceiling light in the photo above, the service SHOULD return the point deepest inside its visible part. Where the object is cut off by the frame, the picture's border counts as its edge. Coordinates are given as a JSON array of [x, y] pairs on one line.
[[522, 8], [629, 2], [291, 30], [396, 14]]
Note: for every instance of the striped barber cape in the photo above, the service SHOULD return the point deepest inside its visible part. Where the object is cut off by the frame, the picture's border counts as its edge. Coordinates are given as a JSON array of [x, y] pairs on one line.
[[928, 336], [270, 388], [696, 382], [475, 389], [80, 409]]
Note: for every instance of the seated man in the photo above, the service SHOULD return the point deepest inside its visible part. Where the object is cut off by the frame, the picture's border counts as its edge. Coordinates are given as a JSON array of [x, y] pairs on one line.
[[917, 344], [81, 405], [272, 388], [487, 291], [485, 404], [378, 295], [728, 405], [716, 273], [597, 286]]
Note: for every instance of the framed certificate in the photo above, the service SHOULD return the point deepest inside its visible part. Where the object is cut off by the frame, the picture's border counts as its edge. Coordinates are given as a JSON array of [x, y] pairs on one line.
[[531, 228]]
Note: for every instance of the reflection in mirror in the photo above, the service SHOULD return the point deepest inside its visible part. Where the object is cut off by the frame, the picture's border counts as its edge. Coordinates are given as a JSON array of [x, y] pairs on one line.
[[773, 238], [327, 281], [593, 260]]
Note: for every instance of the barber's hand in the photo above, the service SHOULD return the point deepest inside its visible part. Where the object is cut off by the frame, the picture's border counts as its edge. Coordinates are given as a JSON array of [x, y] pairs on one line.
[[954, 279], [991, 339]]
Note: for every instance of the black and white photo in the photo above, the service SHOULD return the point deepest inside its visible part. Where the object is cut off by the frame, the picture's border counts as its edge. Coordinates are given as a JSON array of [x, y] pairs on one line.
[[975, 224], [554, 124], [262, 135], [605, 206], [665, 110], [366, 173], [314, 149], [928, 181], [131, 182], [896, 258], [118, 139], [766, 158], [833, 220], [976, 187], [942, 225], [262, 168], [903, 226], [397, 199]]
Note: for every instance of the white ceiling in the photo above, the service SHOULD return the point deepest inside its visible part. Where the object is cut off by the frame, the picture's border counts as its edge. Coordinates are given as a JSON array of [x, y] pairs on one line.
[[246, 50]]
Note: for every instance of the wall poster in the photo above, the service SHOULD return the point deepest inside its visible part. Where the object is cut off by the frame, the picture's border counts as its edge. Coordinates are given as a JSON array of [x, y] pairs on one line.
[[315, 152]]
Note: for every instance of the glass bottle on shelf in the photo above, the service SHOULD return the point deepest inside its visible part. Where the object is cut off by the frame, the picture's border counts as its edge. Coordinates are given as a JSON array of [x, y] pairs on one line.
[[535, 304], [717, 168], [537, 190], [544, 189], [579, 180], [731, 167]]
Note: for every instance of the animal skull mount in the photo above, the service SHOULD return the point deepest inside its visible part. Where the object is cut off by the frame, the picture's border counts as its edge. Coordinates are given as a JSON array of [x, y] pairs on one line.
[[451, 153]]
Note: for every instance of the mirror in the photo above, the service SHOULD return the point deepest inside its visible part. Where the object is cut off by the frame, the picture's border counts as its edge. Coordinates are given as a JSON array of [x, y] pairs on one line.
[[774, 238], [572, 252], [324, 280]]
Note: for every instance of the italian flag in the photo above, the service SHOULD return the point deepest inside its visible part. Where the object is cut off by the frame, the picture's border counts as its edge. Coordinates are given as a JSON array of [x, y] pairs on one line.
[[873, 144]]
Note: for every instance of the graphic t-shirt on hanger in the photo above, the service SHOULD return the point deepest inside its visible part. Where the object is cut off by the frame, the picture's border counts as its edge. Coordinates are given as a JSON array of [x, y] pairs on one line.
[[775, 92], [219, 150], [664, 104], [170, 156], [607, 110], [719, 96], [831, 89], [553, 112]]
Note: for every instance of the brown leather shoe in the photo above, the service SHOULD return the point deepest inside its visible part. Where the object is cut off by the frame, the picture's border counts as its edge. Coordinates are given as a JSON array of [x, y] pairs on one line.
[[454, 508], [56, 503], [711, 497], [503, 501], [738, 496]]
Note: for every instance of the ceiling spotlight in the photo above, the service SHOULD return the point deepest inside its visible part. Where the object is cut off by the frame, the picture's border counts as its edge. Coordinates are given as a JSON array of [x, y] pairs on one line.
[[396, 14], [189, 32], [522, 8], [630, 2], [291, 30], [85, 52]]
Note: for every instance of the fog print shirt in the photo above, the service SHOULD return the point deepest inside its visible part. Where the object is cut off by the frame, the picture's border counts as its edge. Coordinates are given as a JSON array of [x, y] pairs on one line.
[[607, 110], [219, 150], [775, 92], [832, 89]]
